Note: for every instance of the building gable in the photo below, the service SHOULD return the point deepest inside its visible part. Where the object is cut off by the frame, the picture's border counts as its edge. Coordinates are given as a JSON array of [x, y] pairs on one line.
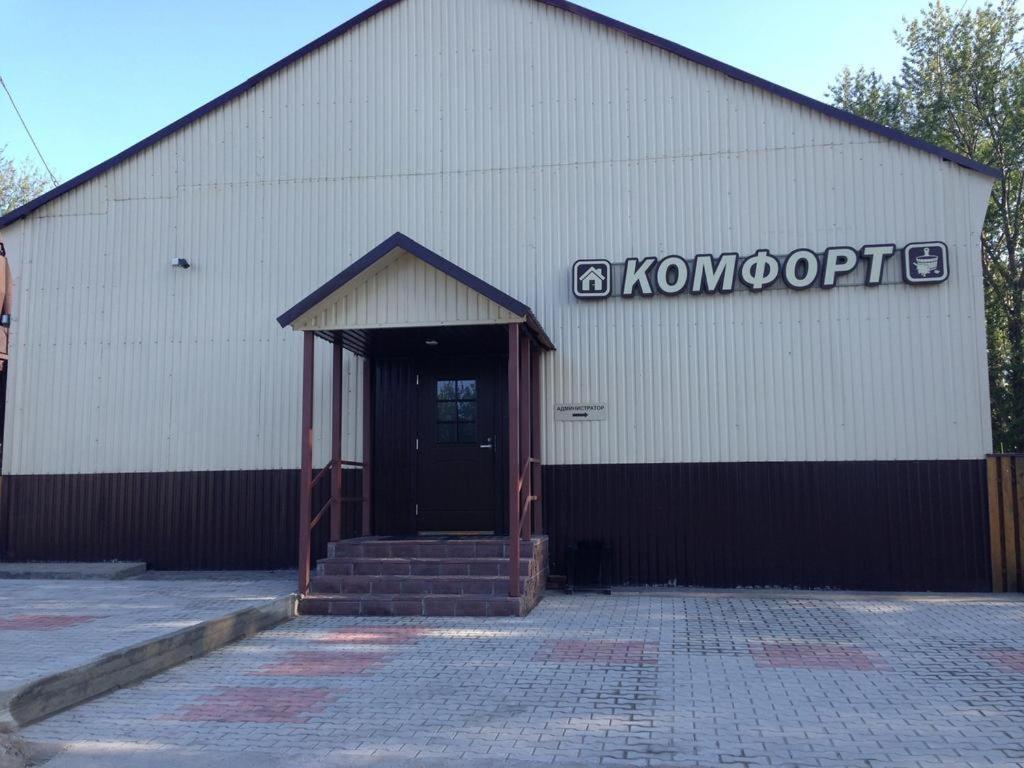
[[513, 138], [434, 15]]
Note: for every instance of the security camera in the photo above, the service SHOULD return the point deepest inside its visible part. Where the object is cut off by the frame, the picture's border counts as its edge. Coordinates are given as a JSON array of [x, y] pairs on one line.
[[180, 262]]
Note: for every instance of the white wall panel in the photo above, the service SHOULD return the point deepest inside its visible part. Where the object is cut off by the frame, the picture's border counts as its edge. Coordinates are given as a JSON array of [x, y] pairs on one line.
[[512, 139]]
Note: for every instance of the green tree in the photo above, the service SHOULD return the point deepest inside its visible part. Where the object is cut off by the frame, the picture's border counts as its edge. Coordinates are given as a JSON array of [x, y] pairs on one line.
[[961, 86], [19, 182]]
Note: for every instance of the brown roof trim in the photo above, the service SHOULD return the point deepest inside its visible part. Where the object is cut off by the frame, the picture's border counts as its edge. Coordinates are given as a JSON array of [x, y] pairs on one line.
[[410, 246], [745, 77], [191, 117], [578, 10]]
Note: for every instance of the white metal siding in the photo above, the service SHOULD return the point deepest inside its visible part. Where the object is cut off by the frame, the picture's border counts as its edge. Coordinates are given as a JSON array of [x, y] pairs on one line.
[[510, 138], [401, 290]]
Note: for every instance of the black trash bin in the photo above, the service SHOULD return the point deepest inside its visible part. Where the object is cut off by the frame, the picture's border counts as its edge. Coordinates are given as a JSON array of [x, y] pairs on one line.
[[589, 568]]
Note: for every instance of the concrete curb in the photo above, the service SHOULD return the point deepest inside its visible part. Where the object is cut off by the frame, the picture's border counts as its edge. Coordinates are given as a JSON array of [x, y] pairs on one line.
[[72, 571], [41, 698]]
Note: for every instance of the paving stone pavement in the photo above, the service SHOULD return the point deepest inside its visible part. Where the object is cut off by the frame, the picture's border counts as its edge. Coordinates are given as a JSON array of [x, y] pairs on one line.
[[656, 679], [47, 626]]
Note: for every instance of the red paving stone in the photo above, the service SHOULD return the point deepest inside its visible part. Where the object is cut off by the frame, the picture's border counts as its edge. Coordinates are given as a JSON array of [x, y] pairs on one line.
[[816, 656], [377, 635], [599, 652], [1009, 659], [257, 704], [324, 663], [43, 623]]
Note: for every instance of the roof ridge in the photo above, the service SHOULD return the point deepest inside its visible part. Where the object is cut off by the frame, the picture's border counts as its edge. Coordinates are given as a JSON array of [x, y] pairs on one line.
[[564, 5]]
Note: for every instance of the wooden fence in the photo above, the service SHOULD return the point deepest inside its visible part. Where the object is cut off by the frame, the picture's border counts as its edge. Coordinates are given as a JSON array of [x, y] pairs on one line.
[[1006, 520]]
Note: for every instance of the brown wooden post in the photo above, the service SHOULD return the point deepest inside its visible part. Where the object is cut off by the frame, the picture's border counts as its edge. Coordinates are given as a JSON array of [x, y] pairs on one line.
[[525, 422], [513, 458], [367, 443], [306, 471], [535, 406], [995, 524], [1018, 513], [1009, 529], [336, 441]]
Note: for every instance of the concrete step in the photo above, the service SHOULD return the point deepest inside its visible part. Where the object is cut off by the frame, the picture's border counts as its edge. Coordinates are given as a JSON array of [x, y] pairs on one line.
[[422, 566], [71, 571], [411, 605], [413, 585], [425, 547]]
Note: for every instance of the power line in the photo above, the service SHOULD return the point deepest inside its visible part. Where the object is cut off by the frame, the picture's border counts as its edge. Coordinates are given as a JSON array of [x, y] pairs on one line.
[[27, 131]]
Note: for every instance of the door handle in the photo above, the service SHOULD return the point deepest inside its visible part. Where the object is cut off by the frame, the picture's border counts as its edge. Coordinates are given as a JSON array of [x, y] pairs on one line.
[[488, 444]]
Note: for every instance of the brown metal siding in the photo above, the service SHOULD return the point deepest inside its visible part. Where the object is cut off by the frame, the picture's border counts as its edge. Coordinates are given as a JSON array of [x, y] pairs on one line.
[[172, 520], [914, 525], [393, 454]]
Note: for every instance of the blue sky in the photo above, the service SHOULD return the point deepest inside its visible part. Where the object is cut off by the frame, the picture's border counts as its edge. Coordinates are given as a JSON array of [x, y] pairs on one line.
[[92, 78]]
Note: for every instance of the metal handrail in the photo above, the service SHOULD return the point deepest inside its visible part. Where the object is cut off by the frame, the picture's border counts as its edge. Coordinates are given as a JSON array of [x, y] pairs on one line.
[[519, 490], [516, 532], [524, 511], [330, 466], [522, 474], [320, 514], [343, 499], [321, 473]]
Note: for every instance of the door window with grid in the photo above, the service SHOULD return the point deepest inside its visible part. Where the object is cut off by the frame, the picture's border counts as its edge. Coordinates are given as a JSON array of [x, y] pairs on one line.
[[456, 411]]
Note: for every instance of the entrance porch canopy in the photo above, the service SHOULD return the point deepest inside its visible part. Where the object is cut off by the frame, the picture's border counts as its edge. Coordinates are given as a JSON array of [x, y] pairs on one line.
[[399, 285], [402, 284]]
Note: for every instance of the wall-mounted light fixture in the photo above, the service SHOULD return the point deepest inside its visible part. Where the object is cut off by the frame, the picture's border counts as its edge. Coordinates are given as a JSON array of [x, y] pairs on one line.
[[181, 261], [431, 342]]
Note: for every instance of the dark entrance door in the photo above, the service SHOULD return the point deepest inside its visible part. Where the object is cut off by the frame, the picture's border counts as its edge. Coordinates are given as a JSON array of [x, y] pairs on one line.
[[456, 460]]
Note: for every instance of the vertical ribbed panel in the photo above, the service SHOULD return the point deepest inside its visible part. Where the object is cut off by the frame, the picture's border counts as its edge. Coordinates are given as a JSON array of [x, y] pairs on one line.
[[169, 520], [511, 138], [912, 525], [403, 291]]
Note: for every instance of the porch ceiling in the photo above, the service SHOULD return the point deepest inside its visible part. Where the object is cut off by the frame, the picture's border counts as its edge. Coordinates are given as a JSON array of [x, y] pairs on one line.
[[402, 342]]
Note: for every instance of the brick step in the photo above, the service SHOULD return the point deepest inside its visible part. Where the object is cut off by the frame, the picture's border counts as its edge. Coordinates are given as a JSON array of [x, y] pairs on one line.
[[414, 585], [409, 605], [415, 547], [422, 566]]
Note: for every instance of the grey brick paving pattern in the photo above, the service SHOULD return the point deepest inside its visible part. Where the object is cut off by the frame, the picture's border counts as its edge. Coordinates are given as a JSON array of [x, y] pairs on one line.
[[590, 679], [50, 625]]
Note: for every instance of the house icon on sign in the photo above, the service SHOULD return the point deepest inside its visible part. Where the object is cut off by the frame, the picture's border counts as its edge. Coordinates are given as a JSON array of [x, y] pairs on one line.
[[591, 279]]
